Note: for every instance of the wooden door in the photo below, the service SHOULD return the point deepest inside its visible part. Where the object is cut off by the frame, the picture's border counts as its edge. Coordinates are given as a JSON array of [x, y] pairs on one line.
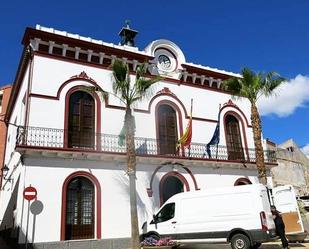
[[167, 130], [81, 120], [233, 139], [80, 209]]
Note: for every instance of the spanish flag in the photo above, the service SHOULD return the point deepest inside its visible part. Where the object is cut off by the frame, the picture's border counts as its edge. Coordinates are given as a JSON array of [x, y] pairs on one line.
[[185, 139]]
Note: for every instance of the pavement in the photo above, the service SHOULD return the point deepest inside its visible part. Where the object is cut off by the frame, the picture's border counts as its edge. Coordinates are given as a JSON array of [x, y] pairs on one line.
[[269, 245]]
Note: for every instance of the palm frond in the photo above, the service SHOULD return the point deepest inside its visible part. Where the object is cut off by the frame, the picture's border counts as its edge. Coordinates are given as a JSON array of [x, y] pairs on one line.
[[232, 85], [247, 76], [120, 70], [96, 89], [271, 81], [141, 70]]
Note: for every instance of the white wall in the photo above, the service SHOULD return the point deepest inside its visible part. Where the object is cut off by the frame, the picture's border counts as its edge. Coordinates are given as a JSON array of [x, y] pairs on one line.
[[50, 74], [47, 175]]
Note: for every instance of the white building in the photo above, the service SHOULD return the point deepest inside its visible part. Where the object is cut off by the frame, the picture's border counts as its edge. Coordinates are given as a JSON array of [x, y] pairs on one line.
[[64, 141]]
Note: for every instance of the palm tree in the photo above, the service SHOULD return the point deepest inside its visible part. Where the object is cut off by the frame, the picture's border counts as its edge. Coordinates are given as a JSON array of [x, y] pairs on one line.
[[251, 86], [129, 94]]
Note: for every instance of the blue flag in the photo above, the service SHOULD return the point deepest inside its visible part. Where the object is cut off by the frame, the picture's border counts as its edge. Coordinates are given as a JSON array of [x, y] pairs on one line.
[[215, 137]]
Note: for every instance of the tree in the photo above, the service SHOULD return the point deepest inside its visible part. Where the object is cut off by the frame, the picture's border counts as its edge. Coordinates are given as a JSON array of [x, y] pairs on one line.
[[130, 93], [252, 86]]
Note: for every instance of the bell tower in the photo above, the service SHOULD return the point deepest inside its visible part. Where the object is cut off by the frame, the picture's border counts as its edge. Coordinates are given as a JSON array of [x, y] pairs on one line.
[[127, 35]]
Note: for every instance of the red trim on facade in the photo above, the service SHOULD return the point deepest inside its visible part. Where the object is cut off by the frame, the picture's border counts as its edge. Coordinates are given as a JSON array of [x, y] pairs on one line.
[[94, 180], [172, 96], [207, 73], [193, 178], [243, 180], [28, 92], [107, 105], [97, 115], [32, 33], [150, 191], [72, 79], [22, 68], [92, 64], [240, 120], [175, 174], [232, 105]]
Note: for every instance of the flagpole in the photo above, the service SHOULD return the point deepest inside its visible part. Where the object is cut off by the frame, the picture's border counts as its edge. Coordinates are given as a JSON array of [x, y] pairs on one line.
[[191, 124]]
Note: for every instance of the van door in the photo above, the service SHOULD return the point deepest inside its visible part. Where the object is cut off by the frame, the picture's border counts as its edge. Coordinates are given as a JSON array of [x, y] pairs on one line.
[[285, 201], [164, 221]]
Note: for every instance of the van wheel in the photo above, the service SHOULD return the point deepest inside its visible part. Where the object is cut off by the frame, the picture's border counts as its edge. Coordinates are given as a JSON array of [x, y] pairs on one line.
[[240, 241]]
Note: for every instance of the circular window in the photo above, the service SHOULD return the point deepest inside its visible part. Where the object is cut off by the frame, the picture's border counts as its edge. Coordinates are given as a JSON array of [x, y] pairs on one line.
[[165, 60]]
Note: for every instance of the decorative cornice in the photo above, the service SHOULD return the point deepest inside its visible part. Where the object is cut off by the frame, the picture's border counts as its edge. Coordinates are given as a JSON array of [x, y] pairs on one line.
[[166, 90], [83, 75], [230, 103]]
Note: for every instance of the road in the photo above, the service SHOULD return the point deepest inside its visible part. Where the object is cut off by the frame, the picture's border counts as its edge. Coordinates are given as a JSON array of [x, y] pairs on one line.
[[273, 245]]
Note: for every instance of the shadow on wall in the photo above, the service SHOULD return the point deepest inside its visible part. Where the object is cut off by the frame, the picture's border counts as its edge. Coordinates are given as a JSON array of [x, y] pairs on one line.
[[8, 217], [123, 181]]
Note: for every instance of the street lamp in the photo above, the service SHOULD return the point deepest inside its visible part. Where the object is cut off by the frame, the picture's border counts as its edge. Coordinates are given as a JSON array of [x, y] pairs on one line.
[[5, 171]]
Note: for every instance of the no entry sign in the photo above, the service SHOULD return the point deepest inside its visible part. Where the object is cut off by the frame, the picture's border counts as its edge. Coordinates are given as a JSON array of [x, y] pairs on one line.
[[30, 193]]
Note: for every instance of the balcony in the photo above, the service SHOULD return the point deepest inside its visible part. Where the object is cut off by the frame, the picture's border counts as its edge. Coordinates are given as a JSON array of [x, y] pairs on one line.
[[55, 139]]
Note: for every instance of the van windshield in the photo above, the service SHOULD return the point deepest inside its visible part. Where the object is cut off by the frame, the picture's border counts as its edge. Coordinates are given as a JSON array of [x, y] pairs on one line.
[[166, 213]]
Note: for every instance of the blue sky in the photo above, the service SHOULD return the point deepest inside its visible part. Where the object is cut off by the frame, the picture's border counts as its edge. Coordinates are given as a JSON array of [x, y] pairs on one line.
[[263, 35]]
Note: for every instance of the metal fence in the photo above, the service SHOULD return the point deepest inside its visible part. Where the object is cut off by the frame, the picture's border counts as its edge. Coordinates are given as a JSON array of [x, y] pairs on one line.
[[59, 138]]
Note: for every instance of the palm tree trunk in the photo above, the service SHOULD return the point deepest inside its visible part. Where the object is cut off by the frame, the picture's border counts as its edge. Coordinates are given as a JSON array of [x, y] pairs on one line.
[[131, 170], [259, 153]]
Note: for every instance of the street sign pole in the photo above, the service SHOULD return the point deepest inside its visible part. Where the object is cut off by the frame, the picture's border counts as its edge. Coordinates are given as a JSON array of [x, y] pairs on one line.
[[26, 245], [30, 193]]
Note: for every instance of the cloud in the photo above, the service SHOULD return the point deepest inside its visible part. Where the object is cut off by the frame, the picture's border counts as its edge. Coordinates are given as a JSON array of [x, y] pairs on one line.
[[305, 149], [287, 98]]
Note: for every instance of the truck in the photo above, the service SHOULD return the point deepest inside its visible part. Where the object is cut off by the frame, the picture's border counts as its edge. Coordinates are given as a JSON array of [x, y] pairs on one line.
[[239, 215]]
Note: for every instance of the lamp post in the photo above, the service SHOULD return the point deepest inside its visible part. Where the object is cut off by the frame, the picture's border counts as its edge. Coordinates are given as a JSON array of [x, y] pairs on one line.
[[5, 171]]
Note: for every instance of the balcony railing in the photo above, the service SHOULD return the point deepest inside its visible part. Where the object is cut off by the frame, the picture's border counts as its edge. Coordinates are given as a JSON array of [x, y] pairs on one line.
[[59, 138]]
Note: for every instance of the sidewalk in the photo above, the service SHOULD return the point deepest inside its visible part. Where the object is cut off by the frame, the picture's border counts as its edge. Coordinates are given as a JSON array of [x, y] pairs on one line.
[[277, 245]]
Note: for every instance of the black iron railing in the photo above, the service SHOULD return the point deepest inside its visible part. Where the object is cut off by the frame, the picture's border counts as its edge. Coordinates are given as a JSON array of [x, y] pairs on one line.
[[59, 138]]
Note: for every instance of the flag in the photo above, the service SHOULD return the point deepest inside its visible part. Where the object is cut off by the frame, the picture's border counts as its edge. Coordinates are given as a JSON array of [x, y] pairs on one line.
[[142, 149], [185, 139], [215, 137], [122, 136]]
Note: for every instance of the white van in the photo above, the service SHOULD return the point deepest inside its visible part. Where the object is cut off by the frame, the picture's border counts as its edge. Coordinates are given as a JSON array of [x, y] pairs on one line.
[[238, 215]]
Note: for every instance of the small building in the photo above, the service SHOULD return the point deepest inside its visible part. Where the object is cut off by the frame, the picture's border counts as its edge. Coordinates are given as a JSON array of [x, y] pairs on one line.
[[293, 167], [5, 92], [67, 141]]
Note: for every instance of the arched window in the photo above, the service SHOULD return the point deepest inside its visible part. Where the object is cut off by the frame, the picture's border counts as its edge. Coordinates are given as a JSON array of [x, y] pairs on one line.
[[167, 120], [81, 127], [172, 183], [79, 214], [242, 181], [233, 139]]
